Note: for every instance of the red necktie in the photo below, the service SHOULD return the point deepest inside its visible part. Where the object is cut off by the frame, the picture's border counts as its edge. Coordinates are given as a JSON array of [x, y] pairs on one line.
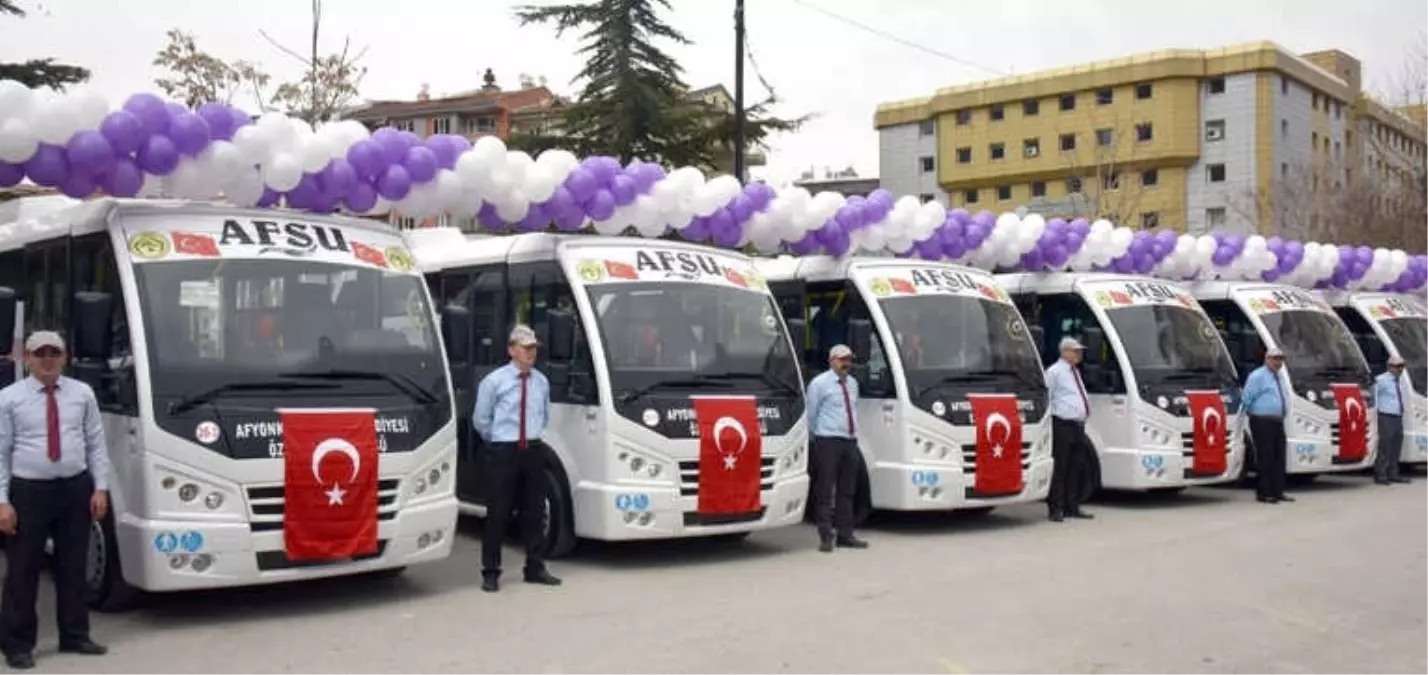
[[847, 403], [525, 378], [52, 421], [1085, 404]]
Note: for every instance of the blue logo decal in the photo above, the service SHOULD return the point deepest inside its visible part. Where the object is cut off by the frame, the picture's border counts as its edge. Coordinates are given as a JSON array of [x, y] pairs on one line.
[[1306, 449], [1421, 442], [918, 478], [1152, 461], [931, 477], [165, 542], [642, 502], [191, 541], [622, 502]]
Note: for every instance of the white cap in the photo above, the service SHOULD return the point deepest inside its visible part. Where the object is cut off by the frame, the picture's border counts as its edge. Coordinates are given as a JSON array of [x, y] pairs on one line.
[[840, 352], [1395, 360], [44, 338], [523, 335], [1069, 342], [1273, 352]]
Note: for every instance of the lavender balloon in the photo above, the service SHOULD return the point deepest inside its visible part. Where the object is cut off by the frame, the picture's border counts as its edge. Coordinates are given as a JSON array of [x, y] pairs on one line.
[[368, 159], [124, 131], [11, 174], [77, 185], [624, 189], [123, 179], [89, 153], [219, 119], [395, 183], [361, 197], [421, 164], [158, 156], [48, 166], [151, 112], [190, 133]]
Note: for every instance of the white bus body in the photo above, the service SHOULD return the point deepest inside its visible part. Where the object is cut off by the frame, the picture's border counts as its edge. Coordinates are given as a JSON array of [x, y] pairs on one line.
[[633, 330], [925, 335], [1393, 324], [194, 322], [1148, 344], [1319, 352]]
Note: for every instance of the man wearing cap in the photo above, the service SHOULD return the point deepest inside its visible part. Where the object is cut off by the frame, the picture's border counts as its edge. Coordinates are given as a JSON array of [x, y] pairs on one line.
[[1070, 447], [53, 480], [1388, 396], [1264, 402], [832, 403], [512, 408]]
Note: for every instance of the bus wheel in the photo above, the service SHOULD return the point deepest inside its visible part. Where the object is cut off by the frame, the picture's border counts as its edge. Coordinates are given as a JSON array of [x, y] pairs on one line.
[[104, 579], [557, 519]]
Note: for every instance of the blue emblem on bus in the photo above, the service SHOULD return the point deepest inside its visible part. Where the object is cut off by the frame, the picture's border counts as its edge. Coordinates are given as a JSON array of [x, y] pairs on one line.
[[191, 541], [622, 502], [165, 542], [1152, 462], [642, 502]]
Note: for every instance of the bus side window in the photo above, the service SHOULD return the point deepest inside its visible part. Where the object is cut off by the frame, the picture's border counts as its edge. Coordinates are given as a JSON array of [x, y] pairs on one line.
[[94, 269], [830, 306], [536, 288], [1367, 340], [1242, 341], [1068, 315]]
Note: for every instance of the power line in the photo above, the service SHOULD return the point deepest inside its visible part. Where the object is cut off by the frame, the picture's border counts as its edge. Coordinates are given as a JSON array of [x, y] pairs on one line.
[[904, 42]]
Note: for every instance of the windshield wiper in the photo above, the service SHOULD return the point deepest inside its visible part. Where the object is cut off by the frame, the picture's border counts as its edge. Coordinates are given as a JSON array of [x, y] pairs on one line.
[[763, 376], [402, 382], [190, 402], [695, 381]]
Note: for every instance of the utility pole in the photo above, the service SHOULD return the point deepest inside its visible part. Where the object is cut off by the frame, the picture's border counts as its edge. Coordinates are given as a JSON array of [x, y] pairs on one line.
[[739, 90]]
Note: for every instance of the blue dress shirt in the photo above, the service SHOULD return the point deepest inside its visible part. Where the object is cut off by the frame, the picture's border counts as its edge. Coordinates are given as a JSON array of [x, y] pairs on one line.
[[827, 414], [1264, 395], [498, 404], [1386, 390], [1064, 390], [24, 434]]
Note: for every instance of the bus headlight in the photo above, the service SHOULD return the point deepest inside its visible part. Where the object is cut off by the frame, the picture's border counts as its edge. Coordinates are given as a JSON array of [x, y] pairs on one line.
[[213, 501], [432, 481], [188, 492]]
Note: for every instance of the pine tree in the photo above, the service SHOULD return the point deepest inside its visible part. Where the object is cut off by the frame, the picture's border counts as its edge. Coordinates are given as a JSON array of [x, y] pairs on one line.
[[38, 72]]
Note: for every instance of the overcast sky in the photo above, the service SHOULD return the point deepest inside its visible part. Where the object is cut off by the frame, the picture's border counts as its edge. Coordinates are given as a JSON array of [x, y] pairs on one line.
[[817, 63]]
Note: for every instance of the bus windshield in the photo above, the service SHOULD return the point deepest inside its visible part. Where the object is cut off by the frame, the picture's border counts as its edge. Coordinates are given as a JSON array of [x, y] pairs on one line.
[[1167, 343], [942, 337], [1409, 336], [1315, 343]]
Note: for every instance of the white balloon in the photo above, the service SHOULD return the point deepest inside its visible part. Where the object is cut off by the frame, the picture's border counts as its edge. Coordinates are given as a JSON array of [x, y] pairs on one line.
[[313, 154], [1102, 227], [245, 188], [1035, 225], [448, 189], [560, 162], [283, 173], [512, 210], [541, 182], [17, 141], [15, 100], [1255, 243], [728, 187], [224, 160], [352, 132], [90, 106], [252, 144], [519, 164], [873, 238], [899, 244], [489, 151], [54, 119]]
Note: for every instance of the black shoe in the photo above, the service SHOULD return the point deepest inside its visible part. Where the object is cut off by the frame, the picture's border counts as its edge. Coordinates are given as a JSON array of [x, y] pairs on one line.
[[1055, 516], [1285, 498], [826, 546], [1382, 481], [86, 647], [542, 577], [1400, 479], [490, 584], [1078, 513], [20, 661], [1266, 500], [851, 542]]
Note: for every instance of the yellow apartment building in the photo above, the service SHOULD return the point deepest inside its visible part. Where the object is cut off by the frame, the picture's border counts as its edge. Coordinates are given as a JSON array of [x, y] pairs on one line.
[[1192, 140]]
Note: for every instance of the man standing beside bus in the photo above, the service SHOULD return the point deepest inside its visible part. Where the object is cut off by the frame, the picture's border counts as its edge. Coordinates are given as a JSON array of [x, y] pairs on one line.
[[832, 400], [1069, 445], [1264, 401], [512, 408], [53, 480], [1388, 396]]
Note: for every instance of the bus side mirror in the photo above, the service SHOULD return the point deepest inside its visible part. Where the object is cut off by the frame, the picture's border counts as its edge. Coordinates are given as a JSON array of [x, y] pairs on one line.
[[1095, 343], [1038, 339], [798, 335], [93, 325], [8, 303], [562, 335], [860, 339], [1373, 351], [456, 333]]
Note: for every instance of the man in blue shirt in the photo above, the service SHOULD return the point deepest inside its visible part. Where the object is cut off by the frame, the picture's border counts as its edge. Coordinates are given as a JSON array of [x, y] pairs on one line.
[[1267, 406], [1070, 448], [512, 409], [1388, 395], [832, 403]]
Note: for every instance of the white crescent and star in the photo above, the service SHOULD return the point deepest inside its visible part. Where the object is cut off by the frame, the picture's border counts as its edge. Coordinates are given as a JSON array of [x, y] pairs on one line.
[[334, 496], [1208, 415], [731, 459], [1349, 406], [992, 421]]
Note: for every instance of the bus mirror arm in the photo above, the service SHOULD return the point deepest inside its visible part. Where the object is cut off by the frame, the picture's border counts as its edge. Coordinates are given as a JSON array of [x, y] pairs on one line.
[[860, 339], [93, 318], [561, 335]]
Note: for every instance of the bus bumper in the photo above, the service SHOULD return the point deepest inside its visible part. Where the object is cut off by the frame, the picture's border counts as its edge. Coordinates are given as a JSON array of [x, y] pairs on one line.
[[1415, 448], [1320, 456], [619, 513], [167, 555], [918, 487], [1138, 469]]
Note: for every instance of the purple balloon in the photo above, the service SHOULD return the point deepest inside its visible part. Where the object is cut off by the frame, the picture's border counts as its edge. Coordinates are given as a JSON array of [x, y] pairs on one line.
[[1082, 226], [151, 111], [391, 143], [239, 119], [124, 131], [569, 219], [218, 119], [48, 166], [123, 179], [602, 169], [838, 247], [645, 175], [338, 178], [562, 201], [582, 184], [1123, 264], [601, 206], [367, 158], [445, 149], [1032, 261], [1074, 240], [1270, 274], [624, 190], [489, 218], [1055, 256], [931, 249], [77, 185], [268, 198], [804, 246], [420, 163], [360, 198], [954, 249], [696, 230], [395, 183], [158, 155], [725, 235], [11, 174], [1365, 255], [536, 219], [305, 194], [1275, 244], [829, 232], [89, 153]]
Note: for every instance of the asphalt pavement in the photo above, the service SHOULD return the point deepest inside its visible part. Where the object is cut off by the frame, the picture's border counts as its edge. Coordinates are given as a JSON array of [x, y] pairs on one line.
[[1206, 581]]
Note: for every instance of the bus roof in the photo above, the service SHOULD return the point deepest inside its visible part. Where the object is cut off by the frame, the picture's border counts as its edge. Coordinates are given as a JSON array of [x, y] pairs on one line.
[[828, 268], [439, 248], [1061, 282]]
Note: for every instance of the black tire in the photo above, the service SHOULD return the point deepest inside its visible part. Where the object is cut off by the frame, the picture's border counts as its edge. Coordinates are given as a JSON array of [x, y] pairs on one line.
[[106, 590], [558, 520]]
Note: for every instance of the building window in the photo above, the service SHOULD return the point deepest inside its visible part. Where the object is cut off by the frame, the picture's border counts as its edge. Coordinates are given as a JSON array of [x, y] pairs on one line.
[[1113, 181], [1314, 140], [1144, 132], [1038, 188], [926, 197], [1073, 186], [405, 125], [1149, 178], [997, 113], [1068, 141], [1284, 169], [927, 164], [964, 155], [1215, 130], [998, 151], [1284, 128], [441, 125], [1215, 217], [1105, 96], [1030, 108], [1068, 102], [478, 125], [1150, 220], [1315, 101], [1338, 110], [1284, 85], [1004, 193], [1216, 173], [1216, 85], [1143, 91], [927, 128], [1031, 147], [970, 196], [964, 117]]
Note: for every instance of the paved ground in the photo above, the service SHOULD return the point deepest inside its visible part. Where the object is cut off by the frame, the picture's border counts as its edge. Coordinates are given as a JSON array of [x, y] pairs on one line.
[[1208, 581]]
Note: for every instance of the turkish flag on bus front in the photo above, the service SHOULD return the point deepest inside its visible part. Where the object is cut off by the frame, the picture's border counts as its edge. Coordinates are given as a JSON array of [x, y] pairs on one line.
[[329, 483], [998, 444], [1353, 422], [1207, 414], [731, 453]]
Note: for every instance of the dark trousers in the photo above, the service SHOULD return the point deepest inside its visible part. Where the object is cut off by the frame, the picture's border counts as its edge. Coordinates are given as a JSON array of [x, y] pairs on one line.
[[1269, 455], [1390, 446], [57, 509], [513, 474], [1070, 449], [835, 479]]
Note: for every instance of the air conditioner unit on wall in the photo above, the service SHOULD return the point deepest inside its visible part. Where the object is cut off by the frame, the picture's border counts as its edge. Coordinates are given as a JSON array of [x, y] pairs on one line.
[[1214, 133], [1032, 151]]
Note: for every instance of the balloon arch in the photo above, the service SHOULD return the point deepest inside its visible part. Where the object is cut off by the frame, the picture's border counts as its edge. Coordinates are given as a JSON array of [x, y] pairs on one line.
[[76, 143]]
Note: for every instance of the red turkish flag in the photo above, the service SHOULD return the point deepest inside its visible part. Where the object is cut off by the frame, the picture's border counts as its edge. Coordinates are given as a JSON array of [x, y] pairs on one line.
[[195, 244], [998, 444], [1353, 422], [731, 452], [368, 255], [329, 483], [1207, 412]]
